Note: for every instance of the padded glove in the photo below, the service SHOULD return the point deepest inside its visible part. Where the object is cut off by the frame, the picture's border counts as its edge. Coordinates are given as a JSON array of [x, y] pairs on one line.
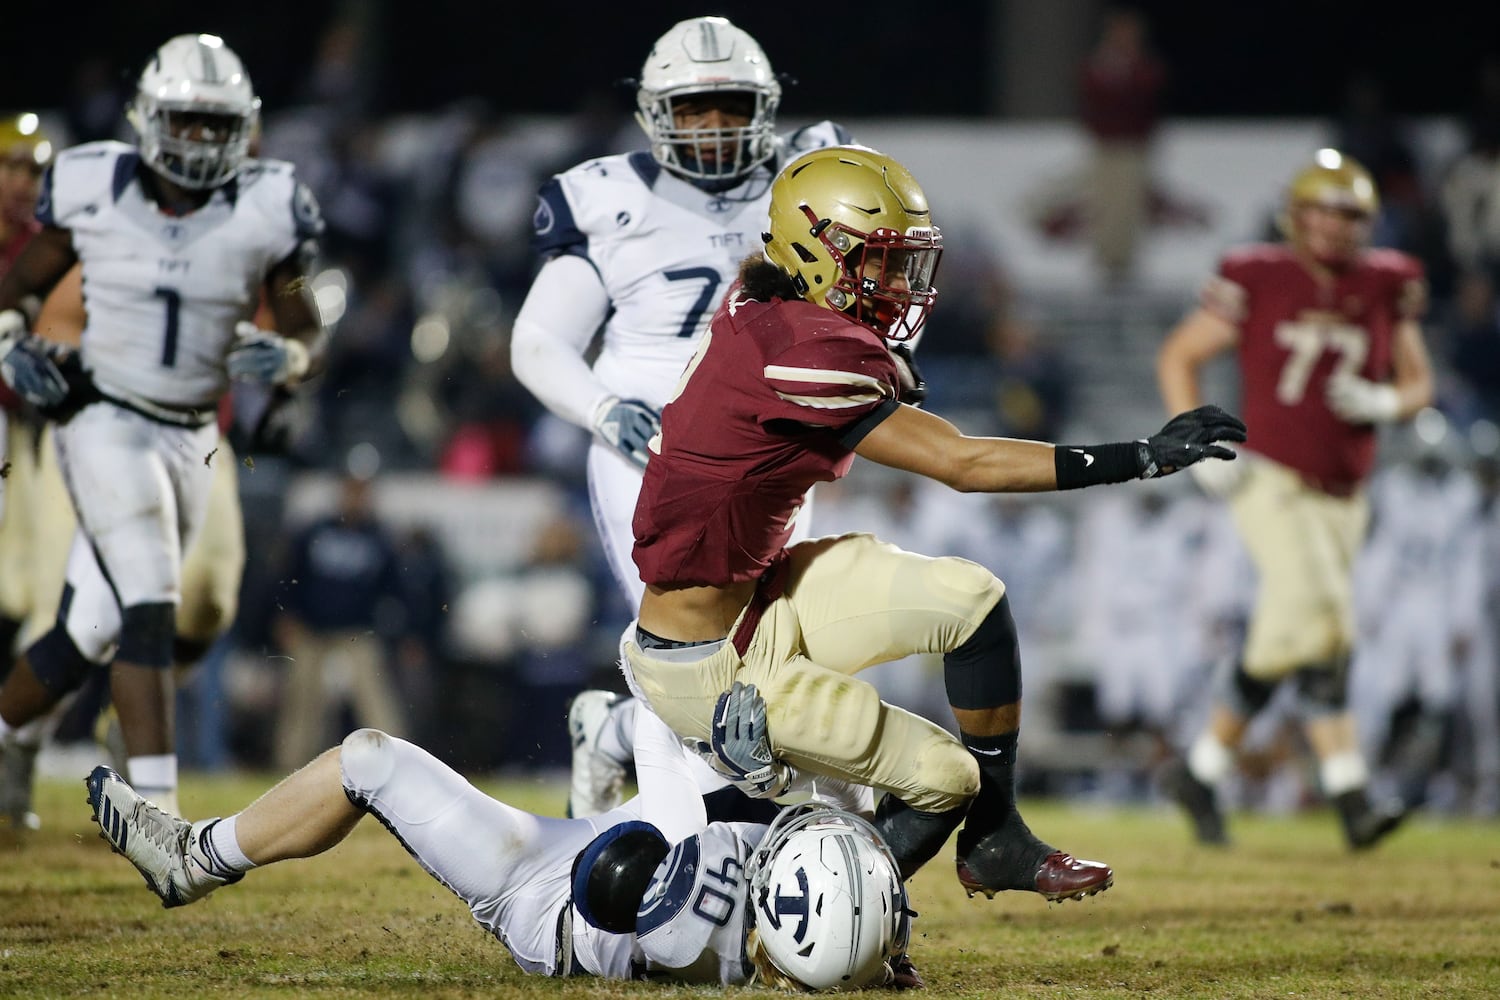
[[1360, 401], [266, 358], [626, 425], [740, 747], [1188, 438], [27, 364]]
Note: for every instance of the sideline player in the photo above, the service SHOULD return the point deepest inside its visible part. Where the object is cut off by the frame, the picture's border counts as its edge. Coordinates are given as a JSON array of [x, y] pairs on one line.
[[1329, 343], [794, 379], [643, 246], [176, 236], [605, 895]]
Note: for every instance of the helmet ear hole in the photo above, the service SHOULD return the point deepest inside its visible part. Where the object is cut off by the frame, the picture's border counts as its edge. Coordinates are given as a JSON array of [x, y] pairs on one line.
[[808, 257]]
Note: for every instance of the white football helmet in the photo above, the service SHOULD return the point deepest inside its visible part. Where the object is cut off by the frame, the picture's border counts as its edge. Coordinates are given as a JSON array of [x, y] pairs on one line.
[[829, 907], [195, 111], [699, 56]]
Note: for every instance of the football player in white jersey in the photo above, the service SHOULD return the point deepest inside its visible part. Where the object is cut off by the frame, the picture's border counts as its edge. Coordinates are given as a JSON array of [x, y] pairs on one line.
[[605, 895], [642, 246], [177, 237]]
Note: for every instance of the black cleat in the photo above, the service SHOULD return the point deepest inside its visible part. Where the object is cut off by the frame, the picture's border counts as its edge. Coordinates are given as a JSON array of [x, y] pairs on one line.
[[1197, 800]]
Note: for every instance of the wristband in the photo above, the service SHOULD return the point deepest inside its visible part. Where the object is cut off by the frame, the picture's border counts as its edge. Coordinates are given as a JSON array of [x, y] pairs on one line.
[[1077, 466]]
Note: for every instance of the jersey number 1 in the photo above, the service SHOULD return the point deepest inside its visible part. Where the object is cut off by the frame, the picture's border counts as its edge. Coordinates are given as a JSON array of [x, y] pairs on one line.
[[173, 299]]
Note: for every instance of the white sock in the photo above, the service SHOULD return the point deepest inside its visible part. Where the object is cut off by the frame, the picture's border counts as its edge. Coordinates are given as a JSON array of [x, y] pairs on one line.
[[5, 728], [221, 843], [1343, 772], [154, 775], [1209, 760]]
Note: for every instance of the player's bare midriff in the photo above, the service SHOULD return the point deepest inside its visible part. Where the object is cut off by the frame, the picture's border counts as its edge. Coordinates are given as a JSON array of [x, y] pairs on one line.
[[694, 614]]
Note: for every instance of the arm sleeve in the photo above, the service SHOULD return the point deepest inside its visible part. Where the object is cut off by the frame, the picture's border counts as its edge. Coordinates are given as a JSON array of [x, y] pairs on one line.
[[669, 793], [566, 305], [830, 381]]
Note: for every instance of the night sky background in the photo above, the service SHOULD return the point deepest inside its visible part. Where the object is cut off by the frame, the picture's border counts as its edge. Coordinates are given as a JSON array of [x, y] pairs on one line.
[[852, 59]]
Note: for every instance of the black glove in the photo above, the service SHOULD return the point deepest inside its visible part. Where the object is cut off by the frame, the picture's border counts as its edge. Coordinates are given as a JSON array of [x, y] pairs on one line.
[[913, 385], [1187, 438]]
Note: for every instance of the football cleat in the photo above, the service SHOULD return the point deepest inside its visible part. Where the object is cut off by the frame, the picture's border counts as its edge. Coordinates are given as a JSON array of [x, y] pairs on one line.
[[17, 779], [1365, 824], [904, 975], [1197, 800], [598, 781], [164, 849], [1060, 876]]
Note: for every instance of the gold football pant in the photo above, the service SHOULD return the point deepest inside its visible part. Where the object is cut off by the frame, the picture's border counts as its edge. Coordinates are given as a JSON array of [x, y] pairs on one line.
[[850, 602]]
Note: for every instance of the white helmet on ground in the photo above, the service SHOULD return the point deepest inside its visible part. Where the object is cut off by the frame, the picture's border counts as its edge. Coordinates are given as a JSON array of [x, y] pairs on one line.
[[829, 908], [195, 111], [699, 56]]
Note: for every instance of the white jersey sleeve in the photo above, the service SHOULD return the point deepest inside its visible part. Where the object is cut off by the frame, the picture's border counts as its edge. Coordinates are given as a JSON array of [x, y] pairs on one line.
[[163, 292], [692, 922]]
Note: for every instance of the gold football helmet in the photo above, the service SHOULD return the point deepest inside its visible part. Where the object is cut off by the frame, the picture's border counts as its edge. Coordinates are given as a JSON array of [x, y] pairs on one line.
[[1331, 180], [852, 229], [23, 141]]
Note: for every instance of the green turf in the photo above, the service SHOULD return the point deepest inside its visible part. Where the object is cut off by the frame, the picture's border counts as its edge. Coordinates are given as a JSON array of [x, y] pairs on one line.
[[1286, 913]]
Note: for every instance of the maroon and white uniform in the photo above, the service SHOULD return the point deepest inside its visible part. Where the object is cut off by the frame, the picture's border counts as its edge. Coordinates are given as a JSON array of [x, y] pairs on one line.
[[737, 454], [776, 400], [1296, 333], [1302, 512]]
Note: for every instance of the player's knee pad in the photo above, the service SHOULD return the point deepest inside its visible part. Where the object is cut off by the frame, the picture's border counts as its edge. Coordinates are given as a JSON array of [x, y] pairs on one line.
[[1323, 688], [985, 672], [824, 715], [1244, 694], [913, 836], [147, 632], [58, 664], [367, 759]]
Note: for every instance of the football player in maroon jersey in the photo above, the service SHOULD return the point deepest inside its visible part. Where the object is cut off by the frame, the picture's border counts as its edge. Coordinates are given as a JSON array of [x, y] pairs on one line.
[[795, 377], [1328, 338]]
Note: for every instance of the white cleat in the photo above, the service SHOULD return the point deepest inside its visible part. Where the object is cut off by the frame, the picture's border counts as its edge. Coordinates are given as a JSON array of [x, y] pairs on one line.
[[598, 783], [163, 848]]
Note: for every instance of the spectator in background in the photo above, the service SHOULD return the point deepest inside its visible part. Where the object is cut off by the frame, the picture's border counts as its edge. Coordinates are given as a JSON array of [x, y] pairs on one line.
[[342, 582], [420, 652], [1120, 91]]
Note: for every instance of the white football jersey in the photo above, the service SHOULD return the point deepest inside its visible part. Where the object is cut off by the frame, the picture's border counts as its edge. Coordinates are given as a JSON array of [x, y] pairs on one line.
[[666, 252], [692, 922], [164, 292]]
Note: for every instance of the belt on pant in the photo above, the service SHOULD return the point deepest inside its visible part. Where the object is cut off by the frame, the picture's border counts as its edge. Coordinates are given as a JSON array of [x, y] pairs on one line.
[[771, 585]]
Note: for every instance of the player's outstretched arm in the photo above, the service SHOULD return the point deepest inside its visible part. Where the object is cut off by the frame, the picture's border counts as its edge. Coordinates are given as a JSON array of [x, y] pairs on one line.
[[928, 445]]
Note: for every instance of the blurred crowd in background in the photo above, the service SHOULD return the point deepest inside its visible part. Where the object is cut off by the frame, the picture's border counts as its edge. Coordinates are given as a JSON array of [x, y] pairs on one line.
[[424, 264]]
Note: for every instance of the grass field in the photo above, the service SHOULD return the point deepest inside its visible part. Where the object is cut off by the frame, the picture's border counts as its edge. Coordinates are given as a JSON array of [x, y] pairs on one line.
[[1285, 913]]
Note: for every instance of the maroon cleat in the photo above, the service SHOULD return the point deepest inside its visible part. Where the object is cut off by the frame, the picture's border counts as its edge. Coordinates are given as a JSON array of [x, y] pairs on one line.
[[1061, 876], [906, 976]]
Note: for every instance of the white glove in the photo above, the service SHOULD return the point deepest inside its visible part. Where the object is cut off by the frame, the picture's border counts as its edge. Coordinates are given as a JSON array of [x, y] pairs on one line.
[[27, 366], [265, 357], [1360, 401], [626, 425], [740, 748], [1219, 478]]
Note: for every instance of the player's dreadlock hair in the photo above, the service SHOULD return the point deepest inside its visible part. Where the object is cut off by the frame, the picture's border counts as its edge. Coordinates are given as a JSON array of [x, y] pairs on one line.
[[764, 281]]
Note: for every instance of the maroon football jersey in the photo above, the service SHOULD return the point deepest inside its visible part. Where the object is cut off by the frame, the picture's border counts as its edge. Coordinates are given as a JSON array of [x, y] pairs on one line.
[[774, 402], [1295, 333]]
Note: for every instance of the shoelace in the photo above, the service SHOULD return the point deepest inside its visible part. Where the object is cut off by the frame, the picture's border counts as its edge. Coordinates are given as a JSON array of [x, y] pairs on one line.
[[157, 827]]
